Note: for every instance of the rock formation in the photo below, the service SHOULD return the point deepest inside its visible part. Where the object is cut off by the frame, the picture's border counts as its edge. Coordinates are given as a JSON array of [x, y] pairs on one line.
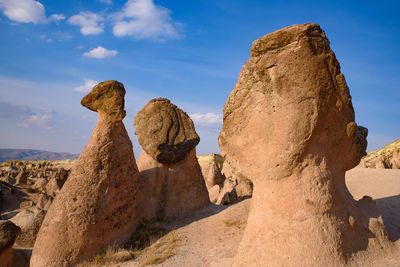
[[8, 233], [232, 185], [29, 220], [98, 204], [21, 177], [289, 127], [243, 186], [387, 157], [165, 132], [168, 165]]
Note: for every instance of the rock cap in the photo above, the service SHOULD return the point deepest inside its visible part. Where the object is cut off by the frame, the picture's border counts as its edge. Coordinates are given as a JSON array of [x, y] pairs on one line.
[[107, 97], [164, 131]]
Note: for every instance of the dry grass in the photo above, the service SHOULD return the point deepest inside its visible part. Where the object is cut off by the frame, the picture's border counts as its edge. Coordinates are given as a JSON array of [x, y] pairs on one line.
[[164, 248], [111, 256], [233, 223], [150, 244]]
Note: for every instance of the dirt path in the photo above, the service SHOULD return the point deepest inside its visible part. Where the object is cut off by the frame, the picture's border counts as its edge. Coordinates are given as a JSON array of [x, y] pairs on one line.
[[211, 238]]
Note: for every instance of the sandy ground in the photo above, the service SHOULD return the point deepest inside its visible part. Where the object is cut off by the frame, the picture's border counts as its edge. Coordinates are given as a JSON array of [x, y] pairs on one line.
[[211, 237]]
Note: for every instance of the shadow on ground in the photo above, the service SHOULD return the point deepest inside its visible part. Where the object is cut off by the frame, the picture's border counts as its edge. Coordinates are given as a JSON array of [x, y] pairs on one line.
[[390, 208]]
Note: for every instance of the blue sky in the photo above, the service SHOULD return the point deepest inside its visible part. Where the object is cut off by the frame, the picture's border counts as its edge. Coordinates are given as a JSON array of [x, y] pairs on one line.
[[53, 52]]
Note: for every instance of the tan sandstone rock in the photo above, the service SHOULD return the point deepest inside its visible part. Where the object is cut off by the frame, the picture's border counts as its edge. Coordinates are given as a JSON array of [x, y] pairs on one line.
[[289, 128], [214, 176], [174, 185], [243, 186], [388, 157], [164, 131], [29, 220], [99, 203], [21, 178], [8, 233]]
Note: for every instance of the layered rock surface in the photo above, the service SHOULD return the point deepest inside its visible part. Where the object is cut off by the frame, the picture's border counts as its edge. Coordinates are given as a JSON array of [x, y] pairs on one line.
[[173, 181], [387, 157], [289, 128], [99, 203]]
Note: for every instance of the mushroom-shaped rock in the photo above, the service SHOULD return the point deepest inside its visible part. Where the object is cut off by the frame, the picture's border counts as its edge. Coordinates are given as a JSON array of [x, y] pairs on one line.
[[99, 204], [289, 127], [164, 131], [168, 165]]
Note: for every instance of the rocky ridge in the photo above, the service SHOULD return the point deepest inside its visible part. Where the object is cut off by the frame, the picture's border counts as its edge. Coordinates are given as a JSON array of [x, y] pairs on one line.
[[387, 157]]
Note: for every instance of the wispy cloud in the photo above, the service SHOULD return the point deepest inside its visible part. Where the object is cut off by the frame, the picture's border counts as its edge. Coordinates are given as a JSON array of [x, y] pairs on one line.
[[142, 19], [86, 87], [56, 17], [23, 116], [90, 22], [100, 52], [26, 11], [37, 120], [206, 119]]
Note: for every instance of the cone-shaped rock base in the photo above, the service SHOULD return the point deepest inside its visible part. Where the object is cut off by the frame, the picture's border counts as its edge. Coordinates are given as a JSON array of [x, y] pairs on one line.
[[97, 205], [173, 190]]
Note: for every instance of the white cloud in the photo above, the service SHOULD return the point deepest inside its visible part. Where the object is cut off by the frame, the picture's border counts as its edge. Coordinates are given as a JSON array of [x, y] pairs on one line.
[[23, 10], [144, 20], [90, 22], [27, 11], [100, 52], [89, 84], [42, 121], [35, 120], [206, 119], [56, 17]]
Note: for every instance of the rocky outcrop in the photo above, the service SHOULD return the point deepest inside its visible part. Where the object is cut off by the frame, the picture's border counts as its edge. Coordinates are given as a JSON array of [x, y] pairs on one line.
[[387, 157], [21, 178], [243, 186], [8, 233], [232, 184], [29, 220], [99, 203], [289, 128], [174, 185]]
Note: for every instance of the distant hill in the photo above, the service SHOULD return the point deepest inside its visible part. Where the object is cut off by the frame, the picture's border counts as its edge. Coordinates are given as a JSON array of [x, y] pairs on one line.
[[31, 154]]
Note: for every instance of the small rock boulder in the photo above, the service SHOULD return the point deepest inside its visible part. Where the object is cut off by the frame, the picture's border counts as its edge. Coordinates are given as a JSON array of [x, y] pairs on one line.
[[213, 193], [227, 194], [8, 233], [214, 176], [29, 220]]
